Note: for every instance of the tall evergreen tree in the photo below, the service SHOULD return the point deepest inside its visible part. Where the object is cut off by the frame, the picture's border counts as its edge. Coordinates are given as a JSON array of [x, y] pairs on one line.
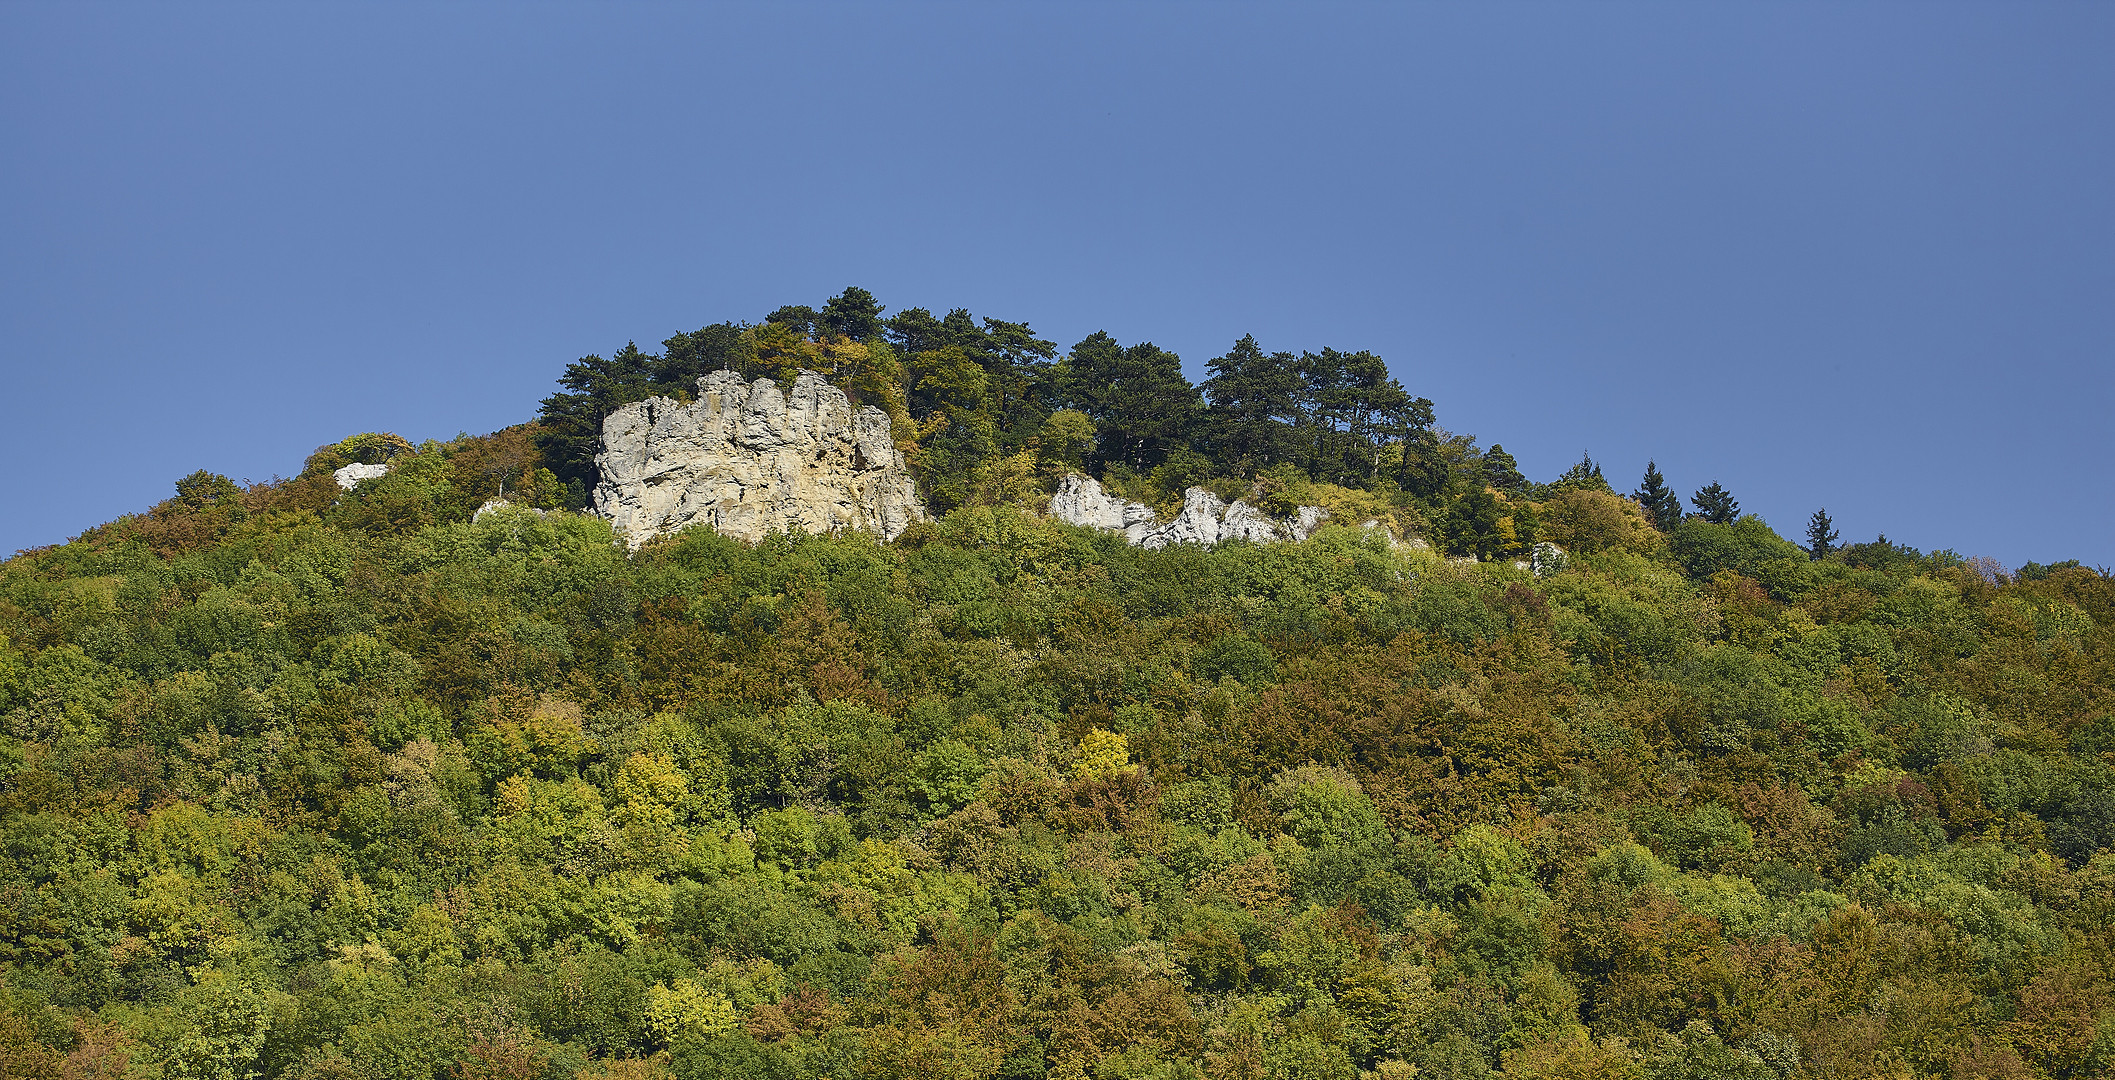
[[1821, 534], [1501, 470], [852, 313], [914, 330], [1423, 471], [1141, 404], [799, 318], [571, 428], [1348, 409], [1661, 504], [1470, 527], [1020, 366], [703, 351], [1378, 410], [1254, 398], [1716, 505]]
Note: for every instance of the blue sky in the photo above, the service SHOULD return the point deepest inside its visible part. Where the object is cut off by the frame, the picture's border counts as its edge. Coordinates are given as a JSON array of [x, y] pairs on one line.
[[1854, 256]]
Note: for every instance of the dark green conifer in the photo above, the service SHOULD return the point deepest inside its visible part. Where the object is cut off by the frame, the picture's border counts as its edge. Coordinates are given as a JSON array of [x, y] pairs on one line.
[[1141, 404], [1470, 527], [799, 318], [1661, 504], [1716, 505], [1821, 534], [853, 313], [1254, 399], [1501, 470]]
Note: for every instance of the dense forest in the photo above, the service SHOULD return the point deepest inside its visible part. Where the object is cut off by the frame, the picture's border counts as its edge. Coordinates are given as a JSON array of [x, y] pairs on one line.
[[308, 783]]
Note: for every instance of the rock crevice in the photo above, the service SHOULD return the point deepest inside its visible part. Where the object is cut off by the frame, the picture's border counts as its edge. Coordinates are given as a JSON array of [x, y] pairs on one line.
[[749, 459]]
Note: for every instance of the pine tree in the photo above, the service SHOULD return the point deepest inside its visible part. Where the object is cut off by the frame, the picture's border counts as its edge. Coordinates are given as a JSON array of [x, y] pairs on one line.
[[1716, 505], [1661, 504], [853, 313], [1141, 405], [1254, 397], [1821, 534], [571, 431], [1501, 470], [1586, 476]]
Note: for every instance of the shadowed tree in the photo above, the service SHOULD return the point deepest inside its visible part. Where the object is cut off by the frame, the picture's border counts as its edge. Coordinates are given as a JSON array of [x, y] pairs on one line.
[[798, 318], [852, 314], [1821, 534], [1661, 504], [1471, 527], [1254, 397], [1715, 504], [1501, 470], [572, 419], [1141, 405]]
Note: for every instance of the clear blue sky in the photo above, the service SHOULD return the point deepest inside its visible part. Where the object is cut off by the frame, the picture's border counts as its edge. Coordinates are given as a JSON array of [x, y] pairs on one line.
[[1860, 256]]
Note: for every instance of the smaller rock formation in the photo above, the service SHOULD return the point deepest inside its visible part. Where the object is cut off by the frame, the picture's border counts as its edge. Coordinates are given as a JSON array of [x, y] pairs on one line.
[[749, 459], [498, 503], [1203, 519], [1547, 558], [1081, 501], [352, 474]]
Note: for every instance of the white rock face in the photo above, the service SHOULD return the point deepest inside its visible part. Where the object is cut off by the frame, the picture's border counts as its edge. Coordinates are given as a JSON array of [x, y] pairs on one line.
[[356, 472], [748, 459], [1203, 519], [1245, 522], [1081, 501], [1304, 523]]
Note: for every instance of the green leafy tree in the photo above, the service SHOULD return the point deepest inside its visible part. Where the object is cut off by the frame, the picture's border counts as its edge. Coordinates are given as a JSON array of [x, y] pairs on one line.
[[1586, 475], [946, 776], [225, 1022], [1016, 363], [1066, 438]]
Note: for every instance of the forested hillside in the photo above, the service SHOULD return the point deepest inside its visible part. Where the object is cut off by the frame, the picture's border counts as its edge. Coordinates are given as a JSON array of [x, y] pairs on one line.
[[297, 782]]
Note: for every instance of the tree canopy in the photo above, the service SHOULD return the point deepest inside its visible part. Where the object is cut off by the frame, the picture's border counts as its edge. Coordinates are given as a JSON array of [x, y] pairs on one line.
[[299, 782]]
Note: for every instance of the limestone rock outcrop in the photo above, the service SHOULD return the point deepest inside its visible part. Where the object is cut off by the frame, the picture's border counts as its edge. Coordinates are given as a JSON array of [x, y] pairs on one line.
[[1203, 519], [351, 475], [748, 459], [1081, 501]]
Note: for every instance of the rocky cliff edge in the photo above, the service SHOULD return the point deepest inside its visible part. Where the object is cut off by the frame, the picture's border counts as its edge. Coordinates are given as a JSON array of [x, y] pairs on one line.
[[749, 459], [1203, 519]]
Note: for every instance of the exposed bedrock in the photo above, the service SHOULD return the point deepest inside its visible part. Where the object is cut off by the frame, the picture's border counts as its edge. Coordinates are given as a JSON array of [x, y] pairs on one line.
[[1203, 519], [749, 459]]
